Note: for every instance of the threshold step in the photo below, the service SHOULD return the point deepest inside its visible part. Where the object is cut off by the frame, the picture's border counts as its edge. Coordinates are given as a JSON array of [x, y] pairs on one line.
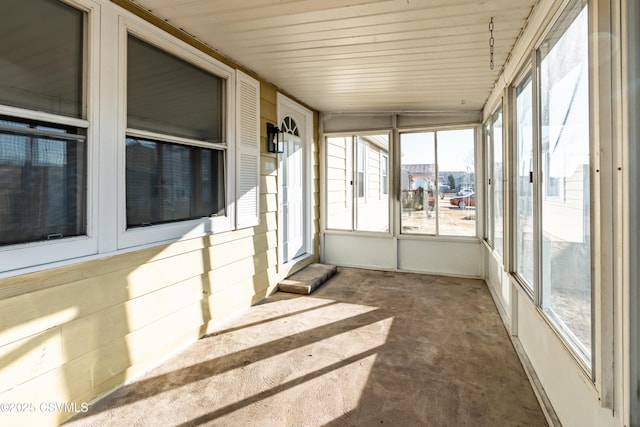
[[308, 279]]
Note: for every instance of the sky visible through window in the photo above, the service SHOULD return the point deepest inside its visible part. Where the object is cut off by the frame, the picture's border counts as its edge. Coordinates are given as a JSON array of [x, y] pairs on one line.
[[455, 149]]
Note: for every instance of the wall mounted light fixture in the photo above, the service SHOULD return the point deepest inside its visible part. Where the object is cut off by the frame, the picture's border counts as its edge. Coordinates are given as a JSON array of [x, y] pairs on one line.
[[275, 139]]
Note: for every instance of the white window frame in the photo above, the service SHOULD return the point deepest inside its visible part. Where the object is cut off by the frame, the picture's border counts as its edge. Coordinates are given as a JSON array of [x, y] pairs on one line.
[[531, 289], [499, 110], [384, 175], [477, 154], [131, 25], [566, 335], [632, 155], [365, 170], [352, 201], [30, 255], [487, 129]]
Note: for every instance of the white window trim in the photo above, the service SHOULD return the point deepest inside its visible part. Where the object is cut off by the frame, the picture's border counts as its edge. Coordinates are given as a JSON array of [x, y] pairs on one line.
[[487, 161], [530, 288], [498, 251], [352, 140], [135, 26], [26, 255], [384, 160], [365, 171], [478, 131]]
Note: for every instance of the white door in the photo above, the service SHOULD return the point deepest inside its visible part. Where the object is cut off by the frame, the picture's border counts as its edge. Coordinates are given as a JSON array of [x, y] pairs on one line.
[[295, 182], [292, 196]]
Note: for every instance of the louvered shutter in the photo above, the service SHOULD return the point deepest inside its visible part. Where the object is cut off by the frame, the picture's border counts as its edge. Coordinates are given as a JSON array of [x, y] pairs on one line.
[[247, 151]]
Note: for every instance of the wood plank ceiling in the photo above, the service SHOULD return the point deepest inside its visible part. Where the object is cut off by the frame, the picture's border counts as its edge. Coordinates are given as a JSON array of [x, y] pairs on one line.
[[361, 55]]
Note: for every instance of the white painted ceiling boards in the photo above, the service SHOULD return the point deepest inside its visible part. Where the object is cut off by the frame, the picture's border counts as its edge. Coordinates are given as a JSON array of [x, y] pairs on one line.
[[361, 55]]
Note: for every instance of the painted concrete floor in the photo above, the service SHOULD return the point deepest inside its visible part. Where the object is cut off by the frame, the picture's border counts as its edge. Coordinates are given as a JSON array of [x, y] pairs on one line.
[[367, 348]]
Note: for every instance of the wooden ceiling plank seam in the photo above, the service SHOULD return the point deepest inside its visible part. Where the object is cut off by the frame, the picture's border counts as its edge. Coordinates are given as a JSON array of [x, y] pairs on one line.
[[322, 33], [382, 46], [423, 35], [388, 55]]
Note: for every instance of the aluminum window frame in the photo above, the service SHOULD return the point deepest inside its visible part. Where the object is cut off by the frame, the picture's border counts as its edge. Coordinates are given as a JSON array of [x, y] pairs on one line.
[[498, 112], [351, 162], [480, 201], [631, 74], [526, 73], [567, 336]]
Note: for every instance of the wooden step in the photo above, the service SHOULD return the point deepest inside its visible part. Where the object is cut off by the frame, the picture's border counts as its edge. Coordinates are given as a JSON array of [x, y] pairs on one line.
[[308, 279]]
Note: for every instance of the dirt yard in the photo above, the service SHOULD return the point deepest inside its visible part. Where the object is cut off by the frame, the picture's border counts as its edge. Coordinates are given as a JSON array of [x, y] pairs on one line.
[[452, 221]]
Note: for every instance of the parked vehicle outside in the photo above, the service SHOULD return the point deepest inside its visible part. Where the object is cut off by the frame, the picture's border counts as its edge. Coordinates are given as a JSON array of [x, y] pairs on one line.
[[465, 191], [463, 201]]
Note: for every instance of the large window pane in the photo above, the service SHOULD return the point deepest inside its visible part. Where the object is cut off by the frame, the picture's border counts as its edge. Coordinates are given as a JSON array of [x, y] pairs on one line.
[[373, 204], [41, 50], [456, 157], [168, 95], [524, 182], [42, 181], [566, 251], [357, 182], [339, 183], [172, 182], [498, 240], [438, 197], [418, 178]]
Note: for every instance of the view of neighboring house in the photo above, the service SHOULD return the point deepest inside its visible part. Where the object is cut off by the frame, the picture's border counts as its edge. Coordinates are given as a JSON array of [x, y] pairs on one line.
[[358, 175]]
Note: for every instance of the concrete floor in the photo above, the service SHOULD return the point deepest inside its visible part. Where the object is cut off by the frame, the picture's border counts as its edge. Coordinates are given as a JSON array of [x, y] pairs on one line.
[[367, 348]]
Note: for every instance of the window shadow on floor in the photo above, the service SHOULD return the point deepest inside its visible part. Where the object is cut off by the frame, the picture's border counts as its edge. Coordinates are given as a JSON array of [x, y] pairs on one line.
[[368, 348]]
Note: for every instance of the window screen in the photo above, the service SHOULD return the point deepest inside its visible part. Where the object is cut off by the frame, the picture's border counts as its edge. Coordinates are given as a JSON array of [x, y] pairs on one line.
[[42, 181], [172, 182]]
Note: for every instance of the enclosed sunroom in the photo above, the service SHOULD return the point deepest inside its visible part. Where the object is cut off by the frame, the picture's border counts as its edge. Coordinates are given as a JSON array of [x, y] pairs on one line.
[[164, 164]]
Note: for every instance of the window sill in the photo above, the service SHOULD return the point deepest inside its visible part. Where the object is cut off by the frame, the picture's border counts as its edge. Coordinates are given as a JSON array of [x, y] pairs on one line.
[[20, 259]]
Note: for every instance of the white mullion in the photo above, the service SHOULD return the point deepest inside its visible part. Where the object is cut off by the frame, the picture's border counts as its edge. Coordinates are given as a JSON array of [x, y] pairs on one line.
[[41, 116], [161, 137], [436, 195], [537, 178], [354, 181]]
